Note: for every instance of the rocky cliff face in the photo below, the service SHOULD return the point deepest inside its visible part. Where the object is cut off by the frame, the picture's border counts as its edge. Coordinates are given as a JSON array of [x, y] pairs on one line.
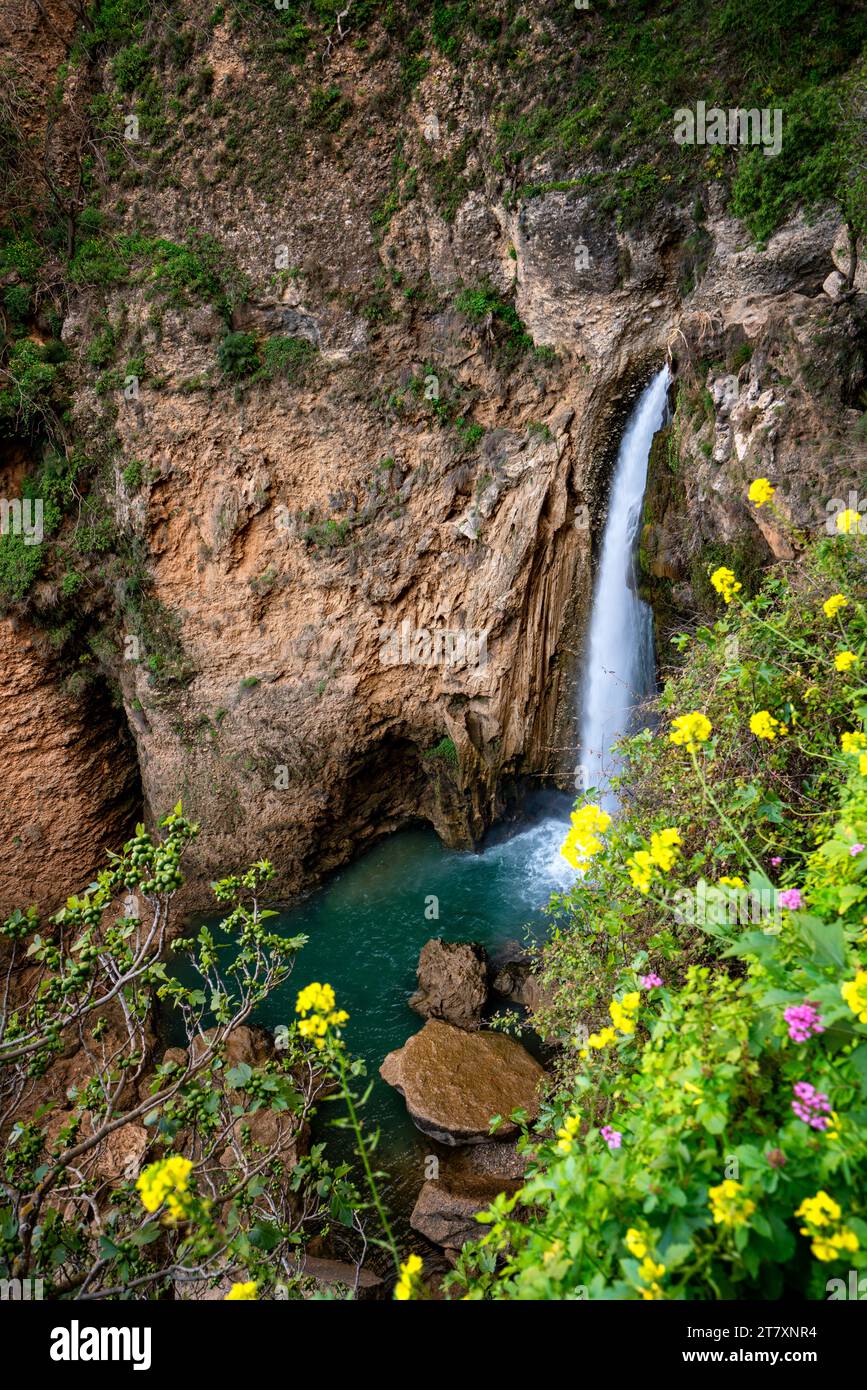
[[428, 455]]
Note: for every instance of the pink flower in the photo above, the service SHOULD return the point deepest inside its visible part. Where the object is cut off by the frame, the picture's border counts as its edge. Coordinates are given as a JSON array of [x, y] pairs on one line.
[[651, 981], [612, 1137], [776, 861], [811, 1106], [790, 898], [856, 849], [804, 1021]]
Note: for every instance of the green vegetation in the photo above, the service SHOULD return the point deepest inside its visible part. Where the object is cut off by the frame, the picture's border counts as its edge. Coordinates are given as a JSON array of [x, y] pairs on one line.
[[238, 354], [484, 307], [707, 979], [173, 1217], [52, 484], [444, 751], [328, 108], [329, 534]]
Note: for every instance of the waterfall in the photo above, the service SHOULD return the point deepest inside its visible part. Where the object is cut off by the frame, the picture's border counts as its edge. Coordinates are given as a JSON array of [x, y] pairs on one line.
[[619, 666]]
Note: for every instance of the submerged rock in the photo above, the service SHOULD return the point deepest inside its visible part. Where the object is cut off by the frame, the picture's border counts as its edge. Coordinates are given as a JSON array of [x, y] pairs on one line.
[[452, 982], [454, 1082]]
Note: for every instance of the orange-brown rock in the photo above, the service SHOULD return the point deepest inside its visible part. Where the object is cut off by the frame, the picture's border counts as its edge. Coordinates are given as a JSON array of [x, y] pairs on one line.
[[455, 1082], [70, 788]]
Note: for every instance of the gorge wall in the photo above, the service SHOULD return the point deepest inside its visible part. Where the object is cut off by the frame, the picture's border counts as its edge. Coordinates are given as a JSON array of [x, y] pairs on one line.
[[335, 376]]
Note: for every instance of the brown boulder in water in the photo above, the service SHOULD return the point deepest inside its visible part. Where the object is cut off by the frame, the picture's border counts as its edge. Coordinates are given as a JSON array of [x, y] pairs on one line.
[[454, 1082], [452, 982]]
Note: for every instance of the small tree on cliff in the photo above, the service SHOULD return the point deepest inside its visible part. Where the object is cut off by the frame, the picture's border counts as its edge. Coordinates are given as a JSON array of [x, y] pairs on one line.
[[124, 1176]]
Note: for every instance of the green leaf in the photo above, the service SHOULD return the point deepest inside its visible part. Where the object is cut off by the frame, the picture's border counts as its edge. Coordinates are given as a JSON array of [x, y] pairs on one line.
[[824, 940]]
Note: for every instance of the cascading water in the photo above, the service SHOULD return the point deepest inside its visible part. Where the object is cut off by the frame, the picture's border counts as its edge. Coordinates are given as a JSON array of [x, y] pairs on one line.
[[619, 666]]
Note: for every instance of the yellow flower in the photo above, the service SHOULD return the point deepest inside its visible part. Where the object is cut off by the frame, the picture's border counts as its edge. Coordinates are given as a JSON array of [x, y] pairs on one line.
[[735, 882], [862, 764], [760, 492], [844, 1239], [690, 730], [847, 521], [166, 1181], [242, 1293], [566, 1135], [820, 1213], [315, 996], [855, 994], [641, 870], [833, 605], [599, 1040], [650, 1271], [622, 1012], [408, 1282], [654, 1292], [764, 725], [319, 998], [663, 847], [583, 841], [729, 1205], [819, 1210], [725, 582], [843, 660], [852, 742], [635, 1243]]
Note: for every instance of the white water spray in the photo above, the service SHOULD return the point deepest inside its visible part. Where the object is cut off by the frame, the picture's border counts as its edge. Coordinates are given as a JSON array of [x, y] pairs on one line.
[[619, 667]]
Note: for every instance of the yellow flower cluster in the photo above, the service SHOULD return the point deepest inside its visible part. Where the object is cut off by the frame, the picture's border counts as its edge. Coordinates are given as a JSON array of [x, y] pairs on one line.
[[651, 1272], [319, 999], [583, 840], [760, 492], [729, 1204], [598, 1041], [822, 1214], [735, 882], [645, 864], [844, 660], [636, 1243], [855, 994], [690, 730], [726, 583], [408, 1283], [853, 741], [242, 1293], [566, 1135], [764, 725], [847, 521], [856, 742], [166, 1181], [623, 1011], [832, 605]]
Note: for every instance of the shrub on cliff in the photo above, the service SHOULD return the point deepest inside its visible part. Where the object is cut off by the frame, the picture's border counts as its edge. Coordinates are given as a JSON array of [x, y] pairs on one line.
[[126, 1176], [708, 1134]]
